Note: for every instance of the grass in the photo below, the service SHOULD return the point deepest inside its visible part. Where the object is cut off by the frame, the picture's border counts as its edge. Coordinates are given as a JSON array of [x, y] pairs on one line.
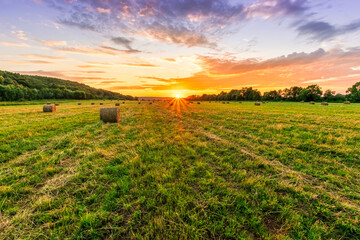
[[186, 171]]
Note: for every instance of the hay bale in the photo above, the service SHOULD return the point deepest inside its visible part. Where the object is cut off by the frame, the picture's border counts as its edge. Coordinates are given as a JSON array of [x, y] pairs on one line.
[[347, 102], [263, 102], [111, 115], [198, 102], [117, 104], [49, 103], [223, 102], [57, 104], [139, 102], [312, 102], [49, 108], [302, 101], [228, 102], [150, 103], [123, 102], [79, 103], [257, 104], [324, 103], [171, 104], [101, 103], [240, 102], [92, 103]]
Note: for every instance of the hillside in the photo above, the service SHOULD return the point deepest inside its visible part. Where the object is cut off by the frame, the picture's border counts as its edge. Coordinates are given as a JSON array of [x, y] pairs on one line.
[[15, 87]]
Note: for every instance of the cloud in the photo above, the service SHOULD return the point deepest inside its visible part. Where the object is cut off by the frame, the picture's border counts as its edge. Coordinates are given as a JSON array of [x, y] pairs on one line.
[[320, 31], [53, 43], [273, 8], [334, 68], [233, 66], [187, 22], [139, 64], [39, 56], [20, 34], [15, 44]]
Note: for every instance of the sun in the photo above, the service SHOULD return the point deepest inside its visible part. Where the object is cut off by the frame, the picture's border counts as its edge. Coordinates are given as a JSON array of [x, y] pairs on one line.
[[177, 96]]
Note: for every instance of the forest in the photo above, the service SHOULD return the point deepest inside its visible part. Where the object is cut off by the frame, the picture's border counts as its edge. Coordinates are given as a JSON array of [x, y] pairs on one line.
[[309, 93], [17, 87]]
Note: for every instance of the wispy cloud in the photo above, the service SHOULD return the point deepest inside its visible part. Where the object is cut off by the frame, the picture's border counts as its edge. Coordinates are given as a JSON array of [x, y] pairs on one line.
[[15, 44], [320, 30]]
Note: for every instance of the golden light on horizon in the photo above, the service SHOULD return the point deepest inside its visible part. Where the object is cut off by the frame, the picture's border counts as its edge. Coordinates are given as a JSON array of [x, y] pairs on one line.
[[177, 96]]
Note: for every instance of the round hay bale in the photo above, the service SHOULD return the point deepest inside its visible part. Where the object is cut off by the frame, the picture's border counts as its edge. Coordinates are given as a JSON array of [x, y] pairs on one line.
[[57, 104], [49, 103], [150, 103], [49, 108], [111, 115], [263, 102], [257, 104], [324, 103], [302, 101], [223, 102], [117, 104], [228, 102], [123, 102], [101, 103], [79, 103], [171, 104], [312, 102], [240, 102], [92, 103], [347, 102], [198, 102], [139, 102]]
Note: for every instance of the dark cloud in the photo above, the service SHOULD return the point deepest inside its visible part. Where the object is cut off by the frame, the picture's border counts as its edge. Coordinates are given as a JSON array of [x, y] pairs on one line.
[[184, 22], [319, 30]]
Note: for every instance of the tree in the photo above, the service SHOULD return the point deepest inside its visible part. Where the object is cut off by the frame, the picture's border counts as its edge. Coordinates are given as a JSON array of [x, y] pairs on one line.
[[354, 93], [310, 93]]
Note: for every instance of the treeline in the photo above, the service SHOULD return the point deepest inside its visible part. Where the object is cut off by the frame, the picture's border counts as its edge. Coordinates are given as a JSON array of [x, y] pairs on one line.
[[309, 93], [17, 87]]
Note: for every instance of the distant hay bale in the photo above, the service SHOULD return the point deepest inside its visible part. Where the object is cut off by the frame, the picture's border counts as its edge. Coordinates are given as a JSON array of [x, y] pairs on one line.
[[257, 104], [101, 103], [117, 104], [123, 102], [223, 102], [281, 101], [150, 103], [111, 115], [57, 104], [347, 102], [49, 108], [209, 101], [171, 104], [324, 103], [139, 102], [263, 102], [240, 102], [48, 103], [302, 101], [92, 103], [198, 102], [79, 103], [312, 102]]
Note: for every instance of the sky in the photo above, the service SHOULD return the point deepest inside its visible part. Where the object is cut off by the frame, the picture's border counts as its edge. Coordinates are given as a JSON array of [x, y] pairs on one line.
[[169, 47]]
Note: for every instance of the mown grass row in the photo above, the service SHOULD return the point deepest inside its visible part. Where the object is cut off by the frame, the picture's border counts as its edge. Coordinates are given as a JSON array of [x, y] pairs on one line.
[[209, 171]]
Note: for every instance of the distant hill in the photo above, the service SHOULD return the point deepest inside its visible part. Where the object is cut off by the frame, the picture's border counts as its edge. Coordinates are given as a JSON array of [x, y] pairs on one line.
[[15, 87]]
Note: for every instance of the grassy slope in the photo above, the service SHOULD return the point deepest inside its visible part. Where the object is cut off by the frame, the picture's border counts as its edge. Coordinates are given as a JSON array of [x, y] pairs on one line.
[[281, 170]]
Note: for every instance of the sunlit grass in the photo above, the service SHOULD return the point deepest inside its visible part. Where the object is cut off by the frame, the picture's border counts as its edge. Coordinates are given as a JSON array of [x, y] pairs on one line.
[[182, 171]]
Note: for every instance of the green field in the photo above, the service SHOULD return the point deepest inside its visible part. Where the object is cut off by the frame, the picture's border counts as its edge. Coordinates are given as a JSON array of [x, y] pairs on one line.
[[187, 171]]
